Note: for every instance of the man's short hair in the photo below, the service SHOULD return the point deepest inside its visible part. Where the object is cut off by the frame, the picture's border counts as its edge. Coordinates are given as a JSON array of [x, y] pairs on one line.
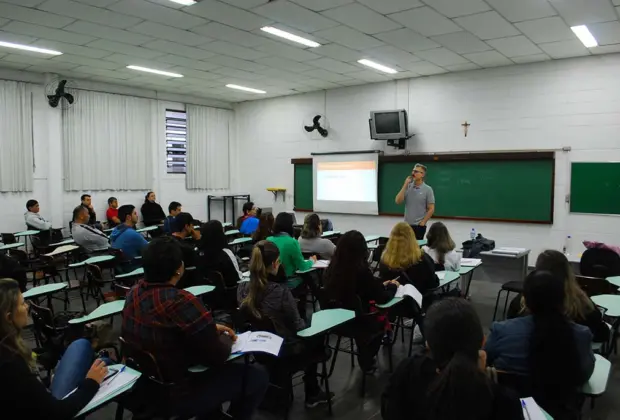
[[182, 220], [419, 165], [173, 206], [161, 259], [76, 212], [124, 211], [84, 196], [247, 207], [31, 203], [111, 200]]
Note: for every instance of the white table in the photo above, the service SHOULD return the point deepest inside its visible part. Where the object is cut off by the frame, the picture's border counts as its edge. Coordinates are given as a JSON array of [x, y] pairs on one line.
[[62, 250], [147, 229], [494, 257], [240, 241], [11, 246], [231, 232], [331, 233], [65, 242], [25, 234]]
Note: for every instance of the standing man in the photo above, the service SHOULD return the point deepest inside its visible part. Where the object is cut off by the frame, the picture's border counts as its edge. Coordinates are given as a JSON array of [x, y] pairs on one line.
[[419, 200]]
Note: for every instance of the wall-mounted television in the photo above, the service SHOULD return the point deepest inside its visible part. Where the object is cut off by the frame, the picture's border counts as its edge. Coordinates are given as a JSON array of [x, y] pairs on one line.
[[388, 125]]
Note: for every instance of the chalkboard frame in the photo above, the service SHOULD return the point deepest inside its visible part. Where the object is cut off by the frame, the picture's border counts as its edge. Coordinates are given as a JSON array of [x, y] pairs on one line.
[[437, 157]]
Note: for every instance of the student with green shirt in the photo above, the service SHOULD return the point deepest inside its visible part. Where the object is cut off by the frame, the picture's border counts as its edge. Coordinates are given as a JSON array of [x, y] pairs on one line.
[[290, 251]]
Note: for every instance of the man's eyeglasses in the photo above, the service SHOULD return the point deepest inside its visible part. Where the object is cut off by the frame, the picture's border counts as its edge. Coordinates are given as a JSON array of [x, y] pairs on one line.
[[417, 172]]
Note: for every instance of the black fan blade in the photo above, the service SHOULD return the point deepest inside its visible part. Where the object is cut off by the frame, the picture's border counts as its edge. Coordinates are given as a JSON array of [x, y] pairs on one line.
[[322, 131], [60, 90], [69, 98], [53, 100], [315, 120], [309, 129]]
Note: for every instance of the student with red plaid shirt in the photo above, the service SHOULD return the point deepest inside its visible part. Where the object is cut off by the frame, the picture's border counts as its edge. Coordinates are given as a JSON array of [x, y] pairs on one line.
[[176, 328]]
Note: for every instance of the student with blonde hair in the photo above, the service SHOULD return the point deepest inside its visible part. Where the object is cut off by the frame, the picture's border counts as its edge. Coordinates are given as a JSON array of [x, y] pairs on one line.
[[265, 296], [403, 257]]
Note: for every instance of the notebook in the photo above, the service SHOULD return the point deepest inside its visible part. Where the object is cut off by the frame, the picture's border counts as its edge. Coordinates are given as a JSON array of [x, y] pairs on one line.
[[409, 290], [257, 341]]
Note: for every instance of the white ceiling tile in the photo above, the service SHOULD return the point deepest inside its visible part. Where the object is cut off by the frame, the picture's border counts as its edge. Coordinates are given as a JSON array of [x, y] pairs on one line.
[[37, 17], [487, 25], [98, 3], [294, 15], [320, 5], [228, 15], [17, 66], [86, 51], [233, 50], [515, 46], [195, 74], [441, 57], [349, 38], [262, 36], [605, 33], [89, 13], [271, 73], [369, 76], [405, 75], [283, 50], [35, 61], [188, 62], [156, 13], [549, 29], [531, 58], [102, 72], [174, 48], [105, 32], [3, 21], [424, 68], [488, 59], [408, 40], [391, 6], [462, 67], [25, 3], [337, 52], [227, 33], [517, 11], [325, 75], [125, 60], [462, 42], [388, 54], [84, 61], [616, 2], [246, 4], [236, 63], [452, 9], [333, 65], [425, 21], [230, 72], [318, 83], [283, 63], [606, 49], [117, 47], [564, 49], [47, 33], [18, 39], [169, 33], [361, 18], [583, 12]]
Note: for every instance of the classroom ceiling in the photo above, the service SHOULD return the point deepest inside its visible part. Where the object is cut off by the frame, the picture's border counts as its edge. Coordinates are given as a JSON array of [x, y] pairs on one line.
[[216, 42]]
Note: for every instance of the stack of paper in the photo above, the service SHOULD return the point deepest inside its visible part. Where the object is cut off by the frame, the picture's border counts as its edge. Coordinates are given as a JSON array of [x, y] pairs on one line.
[[409, 290], [470, 262], [320, 264], [531, 410]]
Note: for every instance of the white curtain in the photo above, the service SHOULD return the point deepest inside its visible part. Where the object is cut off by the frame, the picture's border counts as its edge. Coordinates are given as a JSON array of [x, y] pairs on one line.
[[108, 142], [16, 154], [208, 148]]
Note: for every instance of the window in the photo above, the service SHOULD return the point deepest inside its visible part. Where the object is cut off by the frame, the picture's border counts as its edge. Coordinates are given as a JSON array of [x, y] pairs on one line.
[[176, 141]]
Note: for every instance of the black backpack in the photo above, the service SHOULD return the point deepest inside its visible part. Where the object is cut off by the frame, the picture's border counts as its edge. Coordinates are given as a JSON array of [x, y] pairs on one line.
[[473, 248]]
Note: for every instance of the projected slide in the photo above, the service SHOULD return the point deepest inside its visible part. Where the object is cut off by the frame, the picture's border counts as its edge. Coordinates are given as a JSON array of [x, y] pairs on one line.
[[346, 181]]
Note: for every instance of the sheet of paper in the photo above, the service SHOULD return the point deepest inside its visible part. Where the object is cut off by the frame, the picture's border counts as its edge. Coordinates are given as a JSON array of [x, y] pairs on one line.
[[531, 410], [470, 262], [409, 290], [441, 274], [257, 341], [321, 264], [239, 345], [115, 383]]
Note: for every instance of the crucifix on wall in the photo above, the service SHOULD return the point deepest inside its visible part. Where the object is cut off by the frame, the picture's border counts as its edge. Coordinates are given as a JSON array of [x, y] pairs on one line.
[[465, 126]]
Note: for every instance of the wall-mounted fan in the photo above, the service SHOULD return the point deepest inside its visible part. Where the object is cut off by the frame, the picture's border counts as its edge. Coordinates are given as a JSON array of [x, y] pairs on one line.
[[60, 93], [317, 124]]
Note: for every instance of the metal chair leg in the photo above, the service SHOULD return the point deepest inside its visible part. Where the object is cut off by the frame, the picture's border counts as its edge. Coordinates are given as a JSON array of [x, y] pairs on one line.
[[497, 304], [329, 397], [333, 364], [506, 304], [352, 353]]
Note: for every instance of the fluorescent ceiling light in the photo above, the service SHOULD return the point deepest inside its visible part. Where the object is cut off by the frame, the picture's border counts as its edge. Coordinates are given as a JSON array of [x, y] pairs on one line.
[[247, 89], [184, 2], [29, 48], [584, 35], [290, 37], [377, 66], [163, 73]]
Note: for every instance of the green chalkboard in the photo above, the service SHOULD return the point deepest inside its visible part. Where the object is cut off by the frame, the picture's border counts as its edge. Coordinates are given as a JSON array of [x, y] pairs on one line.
[[595, 187], [503, 188]]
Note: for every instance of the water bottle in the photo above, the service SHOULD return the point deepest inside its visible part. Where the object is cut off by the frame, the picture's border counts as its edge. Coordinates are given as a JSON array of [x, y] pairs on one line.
[[566, 247], [472, 234]]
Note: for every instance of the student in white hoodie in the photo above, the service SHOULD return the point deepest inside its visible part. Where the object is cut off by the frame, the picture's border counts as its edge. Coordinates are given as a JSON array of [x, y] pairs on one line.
[[33, 218]]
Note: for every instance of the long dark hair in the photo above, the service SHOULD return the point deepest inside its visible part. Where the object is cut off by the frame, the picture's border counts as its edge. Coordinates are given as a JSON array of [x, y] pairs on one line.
[[213, 239], [284, 224], [439, 239], [553, 358], [454, 335], [146, 197], [350, 257], [265, 227], [264, 254]]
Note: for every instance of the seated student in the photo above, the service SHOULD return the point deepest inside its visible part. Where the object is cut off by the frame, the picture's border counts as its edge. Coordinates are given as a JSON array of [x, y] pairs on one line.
[[175, 327], [112, 212], [264, 297], [11, 269], [22, 393], [33, 219], [578, 306], [249, 220], [349, 281], [152, 213], [88, 237], [447, 379], [86, 202], [174, 209], [554, 352], [403, 257], [264, 229], [311, 241], [125, 237], [440, 247], [187, 238], [215, 255], [290, 251]]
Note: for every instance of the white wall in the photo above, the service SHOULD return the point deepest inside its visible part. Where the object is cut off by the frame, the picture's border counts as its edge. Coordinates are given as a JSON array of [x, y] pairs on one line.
[[56, 203], [570, 103]]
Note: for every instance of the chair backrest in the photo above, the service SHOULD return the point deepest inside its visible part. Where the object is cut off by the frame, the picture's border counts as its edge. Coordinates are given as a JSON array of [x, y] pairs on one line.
[[121, 290], [594, 286], [19, 255], [8, 238], [225, 297], [142, 361], [599, 262]]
